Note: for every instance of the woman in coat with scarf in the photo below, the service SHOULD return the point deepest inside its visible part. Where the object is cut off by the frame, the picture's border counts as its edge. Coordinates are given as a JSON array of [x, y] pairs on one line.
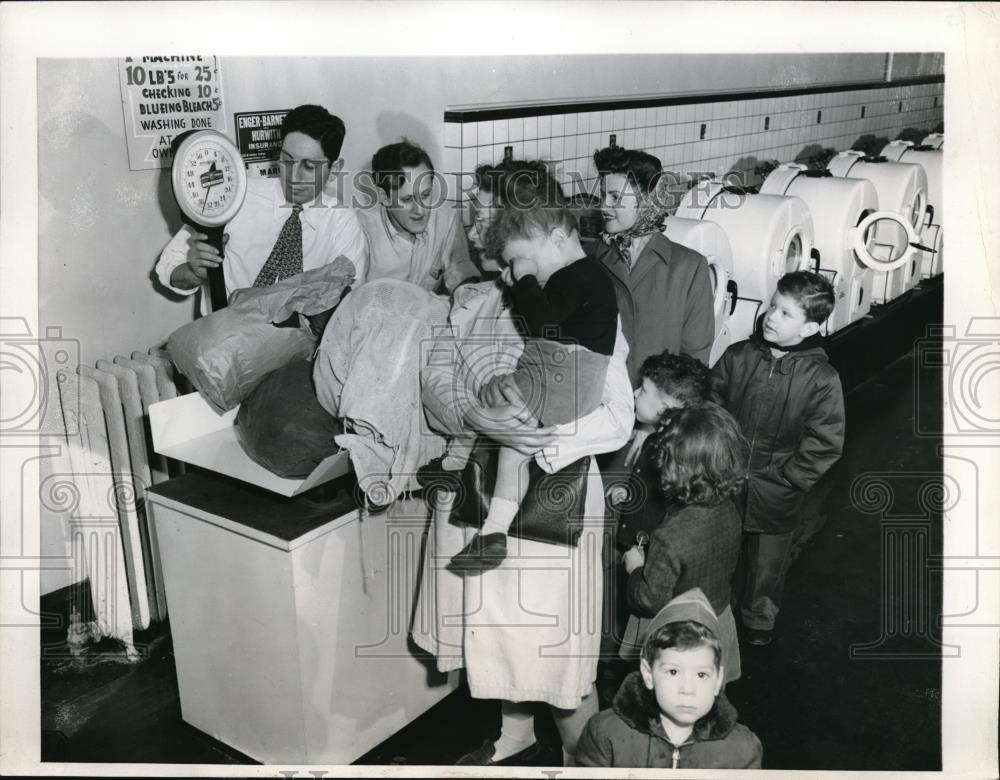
[[664, 290]]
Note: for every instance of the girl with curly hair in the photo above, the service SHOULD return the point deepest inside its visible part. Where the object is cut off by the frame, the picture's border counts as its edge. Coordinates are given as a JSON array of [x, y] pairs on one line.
[[701, 455]]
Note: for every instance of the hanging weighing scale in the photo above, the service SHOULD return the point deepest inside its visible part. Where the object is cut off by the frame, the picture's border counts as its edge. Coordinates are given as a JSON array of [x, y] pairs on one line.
[[210, 182]]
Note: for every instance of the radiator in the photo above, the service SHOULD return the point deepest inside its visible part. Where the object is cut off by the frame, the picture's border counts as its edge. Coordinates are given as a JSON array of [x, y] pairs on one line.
[[105, 411]]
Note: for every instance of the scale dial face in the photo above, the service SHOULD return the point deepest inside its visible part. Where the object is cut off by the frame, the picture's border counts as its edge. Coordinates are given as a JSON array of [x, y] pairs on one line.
[[209, 178]]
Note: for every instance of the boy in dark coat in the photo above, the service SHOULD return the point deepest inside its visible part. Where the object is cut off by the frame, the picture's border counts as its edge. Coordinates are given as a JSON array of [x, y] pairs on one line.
[[672, 712], [787, 397]]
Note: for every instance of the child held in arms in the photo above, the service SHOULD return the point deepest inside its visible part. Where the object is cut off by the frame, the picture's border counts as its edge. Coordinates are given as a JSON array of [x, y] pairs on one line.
[[568, 313]]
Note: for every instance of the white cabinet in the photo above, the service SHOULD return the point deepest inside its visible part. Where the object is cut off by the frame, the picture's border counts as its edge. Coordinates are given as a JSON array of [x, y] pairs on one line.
[[290, 617]]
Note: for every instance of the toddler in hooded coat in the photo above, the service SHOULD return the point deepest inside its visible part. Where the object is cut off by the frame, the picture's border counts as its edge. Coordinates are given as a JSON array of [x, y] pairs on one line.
[[672, 712]]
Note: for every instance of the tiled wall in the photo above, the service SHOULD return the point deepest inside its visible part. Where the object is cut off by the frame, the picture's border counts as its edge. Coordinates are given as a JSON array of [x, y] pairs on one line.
[[691, 137]]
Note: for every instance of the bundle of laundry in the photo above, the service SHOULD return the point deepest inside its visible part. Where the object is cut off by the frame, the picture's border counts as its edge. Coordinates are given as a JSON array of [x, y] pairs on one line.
[[367, 373], [228, 353], [282, 426]]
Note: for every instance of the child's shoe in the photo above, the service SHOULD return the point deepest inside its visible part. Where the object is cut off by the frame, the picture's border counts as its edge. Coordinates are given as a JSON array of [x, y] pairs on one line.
[[482, 553]]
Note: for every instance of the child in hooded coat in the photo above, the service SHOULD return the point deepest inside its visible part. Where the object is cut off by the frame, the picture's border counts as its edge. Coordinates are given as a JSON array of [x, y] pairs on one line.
[[672, 713]]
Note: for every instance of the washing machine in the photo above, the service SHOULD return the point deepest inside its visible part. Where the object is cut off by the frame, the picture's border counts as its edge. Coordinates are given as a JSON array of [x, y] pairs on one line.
[[769, 235], [931, 159], [708, 239], [934, 141], [844, 212], [901, 188]]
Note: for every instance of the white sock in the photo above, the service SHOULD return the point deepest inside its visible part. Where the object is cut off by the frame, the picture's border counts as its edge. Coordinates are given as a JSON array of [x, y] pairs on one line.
[[517, 729], [500, 516]]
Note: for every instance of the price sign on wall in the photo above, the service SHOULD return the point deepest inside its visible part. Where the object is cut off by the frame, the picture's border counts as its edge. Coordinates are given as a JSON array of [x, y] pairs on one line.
[[164, 96]]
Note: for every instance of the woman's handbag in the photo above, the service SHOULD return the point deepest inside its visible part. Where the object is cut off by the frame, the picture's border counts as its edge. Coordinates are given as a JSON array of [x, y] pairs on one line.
[[552, 510]]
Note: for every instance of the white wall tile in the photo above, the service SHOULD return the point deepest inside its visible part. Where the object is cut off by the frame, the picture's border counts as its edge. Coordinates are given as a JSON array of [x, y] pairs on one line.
[[468, 160], [465, 182], [485, 133], [470, 136], [671, 133], [500, 133], [452, 159]]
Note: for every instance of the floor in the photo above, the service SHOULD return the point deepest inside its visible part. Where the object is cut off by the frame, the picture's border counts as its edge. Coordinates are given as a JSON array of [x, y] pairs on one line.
[[812, 704]]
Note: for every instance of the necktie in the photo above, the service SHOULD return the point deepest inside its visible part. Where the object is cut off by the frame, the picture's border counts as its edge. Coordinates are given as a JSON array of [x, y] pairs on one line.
[[286, 257]]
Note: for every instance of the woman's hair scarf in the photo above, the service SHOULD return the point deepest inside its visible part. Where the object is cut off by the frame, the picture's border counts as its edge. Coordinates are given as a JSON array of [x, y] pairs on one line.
[[651, 218]]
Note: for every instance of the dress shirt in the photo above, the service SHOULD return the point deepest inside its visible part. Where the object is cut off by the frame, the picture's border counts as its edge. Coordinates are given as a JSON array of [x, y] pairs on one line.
[[438, 255], [328, 230]]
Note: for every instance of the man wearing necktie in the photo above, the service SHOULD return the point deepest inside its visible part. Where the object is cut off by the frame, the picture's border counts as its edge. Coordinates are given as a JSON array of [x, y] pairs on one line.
[[286, 225]]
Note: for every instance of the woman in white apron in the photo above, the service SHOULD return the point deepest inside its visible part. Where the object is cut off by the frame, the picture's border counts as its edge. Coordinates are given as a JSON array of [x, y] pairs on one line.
[[529, 630]]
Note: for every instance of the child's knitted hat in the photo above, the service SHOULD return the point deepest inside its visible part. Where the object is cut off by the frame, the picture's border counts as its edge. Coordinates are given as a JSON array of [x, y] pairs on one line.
[[690, 605]]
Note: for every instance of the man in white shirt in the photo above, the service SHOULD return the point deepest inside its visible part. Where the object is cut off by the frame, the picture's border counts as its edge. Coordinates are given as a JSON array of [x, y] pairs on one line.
[[410, 237], [311, 139]]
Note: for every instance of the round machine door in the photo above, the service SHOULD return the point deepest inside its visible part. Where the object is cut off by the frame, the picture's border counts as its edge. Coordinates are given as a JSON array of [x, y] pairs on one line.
[[864, 249], [917, 207], [710, 240], [794, 256], [720, 287]]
